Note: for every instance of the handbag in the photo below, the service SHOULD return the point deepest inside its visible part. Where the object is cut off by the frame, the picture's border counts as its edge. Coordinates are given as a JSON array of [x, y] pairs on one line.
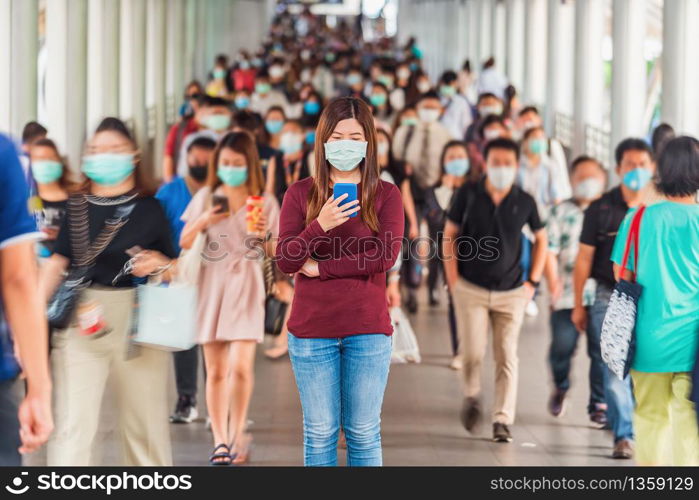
[[275, 309], [166, 316], [618, 336], [63, 303], [405, 348]]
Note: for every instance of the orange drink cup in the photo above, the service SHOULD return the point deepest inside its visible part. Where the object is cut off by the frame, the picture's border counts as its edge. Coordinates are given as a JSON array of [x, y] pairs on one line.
[[253, 212]]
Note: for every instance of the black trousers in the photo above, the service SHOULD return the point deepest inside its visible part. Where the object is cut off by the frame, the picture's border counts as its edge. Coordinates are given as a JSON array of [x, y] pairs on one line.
[[9, 425], [186, 370]]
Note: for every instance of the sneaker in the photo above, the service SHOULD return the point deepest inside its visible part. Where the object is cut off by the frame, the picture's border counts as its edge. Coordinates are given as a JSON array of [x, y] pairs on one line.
[[185, 411], [599, 419], [457, 363], [434, 298], [558, 403], [470, 413], [623, 449], [532, 310], [501, 433]]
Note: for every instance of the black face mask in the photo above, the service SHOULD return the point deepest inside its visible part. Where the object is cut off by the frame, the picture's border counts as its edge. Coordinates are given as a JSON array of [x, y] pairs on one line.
[[198, 172]]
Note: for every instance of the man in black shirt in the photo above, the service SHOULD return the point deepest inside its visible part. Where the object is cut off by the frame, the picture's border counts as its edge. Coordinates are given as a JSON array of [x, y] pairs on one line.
[[603, 217], [482, 251]]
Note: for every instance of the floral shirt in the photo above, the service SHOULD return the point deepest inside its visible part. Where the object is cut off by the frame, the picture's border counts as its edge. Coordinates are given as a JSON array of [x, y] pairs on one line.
[[564, 227]]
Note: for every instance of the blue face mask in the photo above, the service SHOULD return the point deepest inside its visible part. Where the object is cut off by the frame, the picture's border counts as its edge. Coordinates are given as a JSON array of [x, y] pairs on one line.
[[274, 126], [345, 155], [242, 102], [354, 79], [219, 73], [232, 176], [46, 171], [311, 107], [447, 90], [108, 169], [637, 178], [458, 167], [311, 138]]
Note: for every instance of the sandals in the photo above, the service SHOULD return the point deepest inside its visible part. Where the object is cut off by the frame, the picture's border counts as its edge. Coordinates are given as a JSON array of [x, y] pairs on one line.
[[221, 458]]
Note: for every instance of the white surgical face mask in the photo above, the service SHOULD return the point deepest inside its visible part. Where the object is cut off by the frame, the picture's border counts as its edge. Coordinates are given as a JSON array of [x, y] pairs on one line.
[[423, 86], [403, 73], [588, 189], [502, 177], [382, 148], [428, 115], [485, 110], [491, 134], [276, 71]]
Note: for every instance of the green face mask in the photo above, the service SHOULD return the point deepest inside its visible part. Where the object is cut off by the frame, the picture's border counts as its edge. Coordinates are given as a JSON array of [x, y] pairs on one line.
[[46, 171], [232, 176], [108, 169], [447, 90], [409, 122], [377, 99], [217, 122], [538, 146], [263, 88]]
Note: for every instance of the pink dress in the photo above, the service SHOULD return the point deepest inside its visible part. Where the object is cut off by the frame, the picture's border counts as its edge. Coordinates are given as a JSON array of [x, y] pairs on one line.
[[231, 284]]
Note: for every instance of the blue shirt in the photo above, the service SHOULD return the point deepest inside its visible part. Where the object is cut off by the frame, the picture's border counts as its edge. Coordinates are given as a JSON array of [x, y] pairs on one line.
[[174, 197], [16, 224]]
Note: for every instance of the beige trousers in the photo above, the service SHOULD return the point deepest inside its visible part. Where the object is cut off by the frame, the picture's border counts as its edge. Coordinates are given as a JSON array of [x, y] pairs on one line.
[[476, 310], [81, 366]]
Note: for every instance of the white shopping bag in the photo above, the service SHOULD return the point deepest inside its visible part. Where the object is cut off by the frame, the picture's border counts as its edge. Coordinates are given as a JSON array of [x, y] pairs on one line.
[[166, 316], [405, 348]]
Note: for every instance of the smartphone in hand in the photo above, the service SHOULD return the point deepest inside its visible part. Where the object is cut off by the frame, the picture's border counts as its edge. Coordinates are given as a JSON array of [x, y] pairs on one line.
[[348, 188], [221, 201]]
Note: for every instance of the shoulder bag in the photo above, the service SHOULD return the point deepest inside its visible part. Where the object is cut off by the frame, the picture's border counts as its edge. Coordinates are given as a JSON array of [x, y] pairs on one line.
[[618, 336]]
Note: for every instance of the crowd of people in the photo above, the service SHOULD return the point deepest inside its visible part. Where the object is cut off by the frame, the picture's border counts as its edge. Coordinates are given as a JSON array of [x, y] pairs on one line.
[[500, 204]]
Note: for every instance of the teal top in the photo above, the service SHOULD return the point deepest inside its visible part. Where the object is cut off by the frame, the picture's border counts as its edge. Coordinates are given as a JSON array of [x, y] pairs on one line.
[[667, 325]]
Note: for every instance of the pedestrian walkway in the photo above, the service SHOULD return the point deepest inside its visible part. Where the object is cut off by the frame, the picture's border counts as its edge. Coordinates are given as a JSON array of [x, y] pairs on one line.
[[420, 414]]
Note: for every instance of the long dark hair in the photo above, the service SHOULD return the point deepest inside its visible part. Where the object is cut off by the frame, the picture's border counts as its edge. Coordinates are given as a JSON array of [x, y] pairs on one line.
[[345, 108]]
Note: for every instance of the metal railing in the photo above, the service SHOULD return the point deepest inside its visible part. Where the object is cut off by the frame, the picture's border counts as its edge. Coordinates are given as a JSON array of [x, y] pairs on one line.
[[564, 129], [598, 143]]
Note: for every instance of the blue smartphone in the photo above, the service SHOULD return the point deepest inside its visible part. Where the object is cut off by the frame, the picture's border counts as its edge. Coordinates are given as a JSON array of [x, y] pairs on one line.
[[341, 188]]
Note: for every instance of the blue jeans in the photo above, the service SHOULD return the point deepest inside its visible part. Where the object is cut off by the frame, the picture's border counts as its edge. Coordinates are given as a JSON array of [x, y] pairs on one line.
[[618, 393], [564, 340], [341, 382]]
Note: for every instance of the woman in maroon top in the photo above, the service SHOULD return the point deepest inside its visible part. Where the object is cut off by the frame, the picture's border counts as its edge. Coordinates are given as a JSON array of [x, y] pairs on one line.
[[339, 328]]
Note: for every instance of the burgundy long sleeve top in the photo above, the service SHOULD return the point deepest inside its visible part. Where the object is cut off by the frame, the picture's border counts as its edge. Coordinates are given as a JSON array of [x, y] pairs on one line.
[[349, 297]]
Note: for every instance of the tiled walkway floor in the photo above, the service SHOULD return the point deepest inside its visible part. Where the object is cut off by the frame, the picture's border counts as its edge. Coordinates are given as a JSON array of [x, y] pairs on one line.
[[420, 414]]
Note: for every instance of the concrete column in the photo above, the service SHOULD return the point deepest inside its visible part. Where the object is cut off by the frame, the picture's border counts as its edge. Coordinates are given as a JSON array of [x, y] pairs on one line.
[[23, 70], [5, 62], [102, 60], [485, 13], [175, 49], [201, 61], [535, 51], [553, 71], [473, 34], [514, 67], [628, 70], [132, 72], [498, 35], [155, 80], [589, 70], [680, 101], [66, 102], [190, 36]]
